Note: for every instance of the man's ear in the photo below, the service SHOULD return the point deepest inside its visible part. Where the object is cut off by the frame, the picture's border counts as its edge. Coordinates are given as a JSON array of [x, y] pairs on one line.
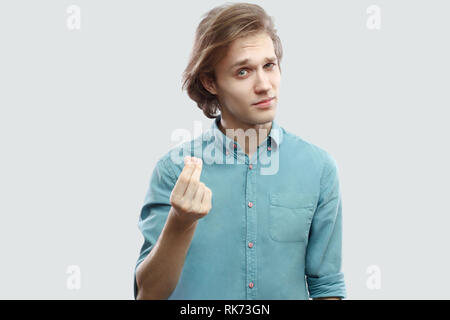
[[208, 83]]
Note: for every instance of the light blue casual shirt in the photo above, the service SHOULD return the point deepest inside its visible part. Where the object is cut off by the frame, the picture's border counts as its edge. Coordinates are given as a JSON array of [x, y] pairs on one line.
[[275, 227]]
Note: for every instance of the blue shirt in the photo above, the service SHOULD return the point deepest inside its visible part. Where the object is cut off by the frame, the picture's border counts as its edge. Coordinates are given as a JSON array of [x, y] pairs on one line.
[[275, 227]]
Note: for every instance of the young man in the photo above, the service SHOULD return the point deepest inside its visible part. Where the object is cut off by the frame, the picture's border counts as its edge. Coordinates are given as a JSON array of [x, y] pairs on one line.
[[256, 212]]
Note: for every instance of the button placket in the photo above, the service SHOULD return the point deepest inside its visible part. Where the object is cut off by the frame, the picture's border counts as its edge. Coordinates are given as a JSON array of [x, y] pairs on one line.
[[252, 218]]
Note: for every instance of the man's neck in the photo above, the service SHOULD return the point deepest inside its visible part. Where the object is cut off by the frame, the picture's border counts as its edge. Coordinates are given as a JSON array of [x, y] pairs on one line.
[[261, 131]]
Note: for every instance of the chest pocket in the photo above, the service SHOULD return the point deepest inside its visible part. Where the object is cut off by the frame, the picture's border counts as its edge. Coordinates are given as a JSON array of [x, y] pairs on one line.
[[290, 216]]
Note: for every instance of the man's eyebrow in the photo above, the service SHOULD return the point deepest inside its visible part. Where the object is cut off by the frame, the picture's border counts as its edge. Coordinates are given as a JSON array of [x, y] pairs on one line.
[[245, 61]]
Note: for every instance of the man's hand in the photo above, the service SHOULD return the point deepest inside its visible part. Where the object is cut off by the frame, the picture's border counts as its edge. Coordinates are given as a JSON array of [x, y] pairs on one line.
[[190, 198]]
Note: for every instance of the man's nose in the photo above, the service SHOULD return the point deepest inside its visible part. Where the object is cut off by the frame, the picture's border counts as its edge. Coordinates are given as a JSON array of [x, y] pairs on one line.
[[262, 81]]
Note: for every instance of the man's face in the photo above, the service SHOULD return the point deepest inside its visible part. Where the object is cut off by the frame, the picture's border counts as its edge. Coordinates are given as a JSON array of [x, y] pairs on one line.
[[239, 87]]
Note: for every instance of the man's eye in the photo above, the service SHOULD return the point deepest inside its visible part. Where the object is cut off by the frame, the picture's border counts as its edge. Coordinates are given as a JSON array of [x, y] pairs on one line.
[[240, 71]]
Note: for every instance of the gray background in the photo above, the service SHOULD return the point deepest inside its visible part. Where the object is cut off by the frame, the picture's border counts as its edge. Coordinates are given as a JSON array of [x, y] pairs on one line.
[[85, 114]]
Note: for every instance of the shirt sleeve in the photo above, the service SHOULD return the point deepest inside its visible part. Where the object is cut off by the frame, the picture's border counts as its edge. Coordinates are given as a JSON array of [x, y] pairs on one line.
[[324, 250], [155, 209]]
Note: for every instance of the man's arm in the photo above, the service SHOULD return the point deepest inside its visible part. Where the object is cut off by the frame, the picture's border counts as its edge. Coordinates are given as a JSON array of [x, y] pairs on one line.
[[158, 274], [323, 253]]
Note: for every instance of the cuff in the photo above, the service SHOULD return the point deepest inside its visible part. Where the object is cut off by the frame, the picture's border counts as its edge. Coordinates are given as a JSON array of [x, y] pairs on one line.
[[327, 286]]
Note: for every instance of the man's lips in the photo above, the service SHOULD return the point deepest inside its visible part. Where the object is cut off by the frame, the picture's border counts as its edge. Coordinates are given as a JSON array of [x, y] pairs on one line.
[[265, 100]]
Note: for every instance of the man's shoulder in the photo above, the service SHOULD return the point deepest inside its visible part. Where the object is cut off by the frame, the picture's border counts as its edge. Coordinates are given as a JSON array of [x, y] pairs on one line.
[[300, 145], [173, 159]]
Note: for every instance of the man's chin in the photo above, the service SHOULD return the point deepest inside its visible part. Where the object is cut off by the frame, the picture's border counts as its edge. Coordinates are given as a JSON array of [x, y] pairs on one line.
[[260, 117], [263, 117]]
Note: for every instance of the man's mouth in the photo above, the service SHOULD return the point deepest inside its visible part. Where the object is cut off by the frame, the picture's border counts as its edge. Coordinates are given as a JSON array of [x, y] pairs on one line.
[[264, 101], [264, 104]]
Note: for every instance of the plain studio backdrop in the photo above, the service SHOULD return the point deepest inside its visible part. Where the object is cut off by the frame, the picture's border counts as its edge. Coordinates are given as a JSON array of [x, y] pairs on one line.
[[86, 113]]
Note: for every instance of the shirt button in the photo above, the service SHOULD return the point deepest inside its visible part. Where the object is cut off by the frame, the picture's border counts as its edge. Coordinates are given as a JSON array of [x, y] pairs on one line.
[[250, 166], [250, 204], [269, 148], [250, 244], [251, 285]]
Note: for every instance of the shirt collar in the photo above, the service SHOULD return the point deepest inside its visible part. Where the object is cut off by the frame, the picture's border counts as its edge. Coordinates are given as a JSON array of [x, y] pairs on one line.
[[274, 138]]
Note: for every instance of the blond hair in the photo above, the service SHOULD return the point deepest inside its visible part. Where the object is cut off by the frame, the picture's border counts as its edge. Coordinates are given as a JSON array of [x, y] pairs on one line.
[[218, 28]]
